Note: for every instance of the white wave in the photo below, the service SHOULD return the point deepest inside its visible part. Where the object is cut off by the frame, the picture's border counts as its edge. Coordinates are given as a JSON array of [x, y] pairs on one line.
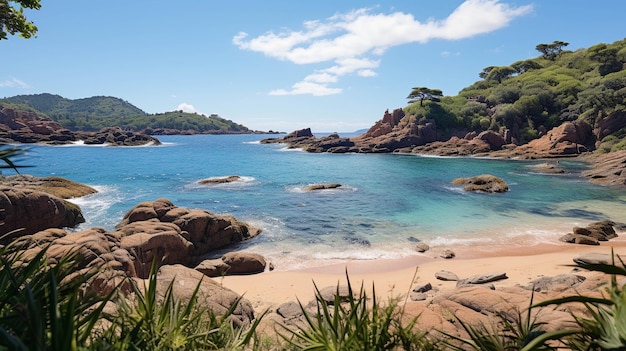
[[252, 142], [95, 207], [436, 156], [456, 189], [288, 149], [242, 182], [302, 189], [458, 241], [77, 143]]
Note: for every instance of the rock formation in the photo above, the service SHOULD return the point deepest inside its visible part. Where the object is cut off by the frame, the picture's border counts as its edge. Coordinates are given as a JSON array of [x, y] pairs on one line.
[[219, 180], [592, 234], [314, 187], [18, 126], [175, 235], [233, 263], [24, 211], [485, 183], [30, 204], [152, 232], [607, 169]]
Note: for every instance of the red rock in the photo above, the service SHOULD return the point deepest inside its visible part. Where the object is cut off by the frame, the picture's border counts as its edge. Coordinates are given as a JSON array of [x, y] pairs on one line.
[[28, 211]]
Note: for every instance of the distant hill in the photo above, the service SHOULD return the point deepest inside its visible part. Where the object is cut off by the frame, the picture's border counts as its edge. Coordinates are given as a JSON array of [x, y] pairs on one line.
[[97, 112]]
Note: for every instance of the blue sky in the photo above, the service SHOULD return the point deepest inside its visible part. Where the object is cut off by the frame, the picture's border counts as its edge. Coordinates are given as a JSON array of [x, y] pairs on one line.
[[285, 65]]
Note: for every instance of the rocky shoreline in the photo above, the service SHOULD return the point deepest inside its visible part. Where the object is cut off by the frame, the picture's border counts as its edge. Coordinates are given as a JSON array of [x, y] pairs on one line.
[[397, 133], [24, 127]]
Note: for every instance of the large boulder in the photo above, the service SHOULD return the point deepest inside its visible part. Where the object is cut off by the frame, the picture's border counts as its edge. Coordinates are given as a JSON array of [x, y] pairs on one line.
[[233, 263], [493, 139], [206, 231], [96, 252], [149, 241], [57, 186], [25, 211], [592, 234], [568, 139], [211, 294]]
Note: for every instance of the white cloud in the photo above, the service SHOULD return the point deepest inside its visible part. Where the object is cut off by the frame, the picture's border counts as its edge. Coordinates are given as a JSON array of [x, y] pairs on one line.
[[185, 107], [367, 73], [307, 88], [13, 83], [351, 40]]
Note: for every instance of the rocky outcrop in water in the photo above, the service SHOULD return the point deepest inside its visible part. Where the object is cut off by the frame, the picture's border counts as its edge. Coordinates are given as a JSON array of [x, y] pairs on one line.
[[24, 211], [18, 126], [30, 204], [161, 231], [484, 183]]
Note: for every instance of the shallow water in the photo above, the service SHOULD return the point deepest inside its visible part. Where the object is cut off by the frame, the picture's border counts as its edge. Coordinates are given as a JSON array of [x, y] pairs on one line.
[[385, 204]]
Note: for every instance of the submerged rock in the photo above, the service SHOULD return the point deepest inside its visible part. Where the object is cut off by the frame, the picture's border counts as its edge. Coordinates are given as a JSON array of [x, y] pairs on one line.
[[219, 180], [547, 168], [314, 187]]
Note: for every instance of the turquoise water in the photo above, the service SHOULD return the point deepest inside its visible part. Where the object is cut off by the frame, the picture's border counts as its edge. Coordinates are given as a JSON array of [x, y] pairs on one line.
[[386, 203]]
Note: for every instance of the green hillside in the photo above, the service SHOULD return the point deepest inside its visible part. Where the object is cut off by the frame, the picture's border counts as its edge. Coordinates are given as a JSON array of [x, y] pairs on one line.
[[95, 113], [534, 95]]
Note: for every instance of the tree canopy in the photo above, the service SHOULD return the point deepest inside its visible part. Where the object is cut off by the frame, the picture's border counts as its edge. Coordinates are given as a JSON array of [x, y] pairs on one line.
[[423, 93], [551, 51], [13, 21]]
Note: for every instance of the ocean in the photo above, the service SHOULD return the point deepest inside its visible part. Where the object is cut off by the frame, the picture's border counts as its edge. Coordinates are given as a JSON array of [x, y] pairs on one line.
[[387, 202]]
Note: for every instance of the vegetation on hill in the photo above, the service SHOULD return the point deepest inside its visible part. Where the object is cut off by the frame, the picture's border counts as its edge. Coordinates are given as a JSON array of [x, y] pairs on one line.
[[531, 96], [97, 112]]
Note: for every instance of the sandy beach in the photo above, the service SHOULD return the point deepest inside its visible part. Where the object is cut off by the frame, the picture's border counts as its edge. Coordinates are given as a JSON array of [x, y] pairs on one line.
[[395, 278]]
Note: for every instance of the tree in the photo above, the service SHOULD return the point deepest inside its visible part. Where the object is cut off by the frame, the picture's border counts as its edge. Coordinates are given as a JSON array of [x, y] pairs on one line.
[[423, 93], [551, 51], [525, 66], [486, 72], [499, 73], [12, 18]]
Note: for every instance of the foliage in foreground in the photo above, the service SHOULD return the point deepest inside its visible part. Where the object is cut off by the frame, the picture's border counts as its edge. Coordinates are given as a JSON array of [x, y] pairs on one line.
[[41, 308], [356, 325]]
